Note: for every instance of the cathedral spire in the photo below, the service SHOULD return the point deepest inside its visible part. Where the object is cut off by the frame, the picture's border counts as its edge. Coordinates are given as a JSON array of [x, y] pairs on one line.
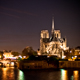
[[52, 25]]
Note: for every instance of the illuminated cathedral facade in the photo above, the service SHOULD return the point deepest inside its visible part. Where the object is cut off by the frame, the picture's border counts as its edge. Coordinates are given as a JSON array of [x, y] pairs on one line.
[[54, 45]]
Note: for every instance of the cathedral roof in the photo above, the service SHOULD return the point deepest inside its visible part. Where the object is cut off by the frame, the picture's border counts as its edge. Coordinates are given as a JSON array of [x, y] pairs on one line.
[[46, 40]]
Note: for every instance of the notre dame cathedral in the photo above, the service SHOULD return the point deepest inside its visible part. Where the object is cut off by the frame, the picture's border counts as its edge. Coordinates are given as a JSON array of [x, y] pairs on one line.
[[54, 45]]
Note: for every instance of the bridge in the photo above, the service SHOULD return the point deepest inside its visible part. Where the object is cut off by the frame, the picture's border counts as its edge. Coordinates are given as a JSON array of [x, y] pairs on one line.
[[8, 63]]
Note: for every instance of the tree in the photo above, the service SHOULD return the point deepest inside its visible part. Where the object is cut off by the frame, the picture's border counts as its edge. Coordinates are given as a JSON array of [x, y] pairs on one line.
[[35, 53], [1, 54], [15, 53], [28, 51]]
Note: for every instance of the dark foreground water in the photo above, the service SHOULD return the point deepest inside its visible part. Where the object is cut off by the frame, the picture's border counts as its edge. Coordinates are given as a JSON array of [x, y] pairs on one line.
[[12, 73]]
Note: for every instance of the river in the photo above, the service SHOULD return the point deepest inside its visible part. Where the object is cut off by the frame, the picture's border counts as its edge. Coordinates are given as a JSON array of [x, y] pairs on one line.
[[11, 73]]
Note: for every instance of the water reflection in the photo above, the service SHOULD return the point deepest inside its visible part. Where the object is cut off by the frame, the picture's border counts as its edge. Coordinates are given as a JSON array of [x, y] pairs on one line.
[[4, 73], [70, 74], [76, 75], [21, 75], [64, 74], [11, 73], [8, 74]]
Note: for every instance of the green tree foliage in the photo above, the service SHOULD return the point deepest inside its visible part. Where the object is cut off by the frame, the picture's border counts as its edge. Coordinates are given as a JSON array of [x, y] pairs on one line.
[[34, 53], [28, 51], [15, 53]]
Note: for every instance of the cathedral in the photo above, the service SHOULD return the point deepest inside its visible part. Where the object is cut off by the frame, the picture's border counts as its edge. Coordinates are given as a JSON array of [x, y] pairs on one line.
[[54, 44]]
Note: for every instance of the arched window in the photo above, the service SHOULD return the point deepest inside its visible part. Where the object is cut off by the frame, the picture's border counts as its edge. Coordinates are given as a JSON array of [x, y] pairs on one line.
[[44, 35]]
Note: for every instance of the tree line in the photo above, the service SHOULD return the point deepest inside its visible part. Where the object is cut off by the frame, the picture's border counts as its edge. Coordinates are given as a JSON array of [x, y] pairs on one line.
[[28, 51]]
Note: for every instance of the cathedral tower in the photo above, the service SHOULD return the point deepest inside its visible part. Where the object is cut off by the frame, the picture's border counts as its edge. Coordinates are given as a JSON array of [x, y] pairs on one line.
[[53, 45]]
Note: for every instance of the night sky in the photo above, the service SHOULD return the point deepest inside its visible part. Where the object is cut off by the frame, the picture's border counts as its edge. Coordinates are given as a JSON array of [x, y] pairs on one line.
[[21, 22]]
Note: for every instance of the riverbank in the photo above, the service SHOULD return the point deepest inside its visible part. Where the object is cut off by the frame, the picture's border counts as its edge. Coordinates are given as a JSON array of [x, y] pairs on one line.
[[28, 64]]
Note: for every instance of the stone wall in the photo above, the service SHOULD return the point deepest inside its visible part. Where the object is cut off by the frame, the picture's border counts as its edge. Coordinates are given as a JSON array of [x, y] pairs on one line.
[[35, 65], [69, 64]]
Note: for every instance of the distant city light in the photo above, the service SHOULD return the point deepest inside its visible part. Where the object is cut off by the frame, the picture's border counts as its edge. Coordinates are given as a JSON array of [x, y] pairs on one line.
[[48, 56], [0, 56], [20, 56], [12, 63], [63, 57], [70, 51], [75, 56], [24, 56]]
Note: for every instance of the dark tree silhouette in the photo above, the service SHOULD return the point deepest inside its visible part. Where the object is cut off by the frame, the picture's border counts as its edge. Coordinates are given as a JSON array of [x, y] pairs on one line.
[[28, 51], [15, 53]]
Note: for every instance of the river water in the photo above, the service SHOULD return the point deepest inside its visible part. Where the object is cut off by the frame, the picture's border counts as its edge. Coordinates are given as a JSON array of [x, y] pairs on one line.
[[11, 73]]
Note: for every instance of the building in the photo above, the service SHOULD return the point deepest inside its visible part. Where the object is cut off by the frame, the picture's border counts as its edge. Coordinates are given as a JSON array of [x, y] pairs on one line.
[[54, 45], [7, 54], [77, 51]]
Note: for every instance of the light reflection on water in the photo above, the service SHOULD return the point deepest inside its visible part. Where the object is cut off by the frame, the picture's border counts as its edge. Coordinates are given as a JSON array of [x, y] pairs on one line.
[[64, 74], [12, 73], [76, 75], [70, 74], [21, 75]]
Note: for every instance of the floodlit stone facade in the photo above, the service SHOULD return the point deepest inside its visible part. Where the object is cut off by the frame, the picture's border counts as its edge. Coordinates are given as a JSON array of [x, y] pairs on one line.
[[54, 45]]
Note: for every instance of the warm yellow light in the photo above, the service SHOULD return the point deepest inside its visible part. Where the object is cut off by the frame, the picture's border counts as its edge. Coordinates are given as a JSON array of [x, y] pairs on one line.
[[76, 75], [12, 63], [64, 74], [0, 56]]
